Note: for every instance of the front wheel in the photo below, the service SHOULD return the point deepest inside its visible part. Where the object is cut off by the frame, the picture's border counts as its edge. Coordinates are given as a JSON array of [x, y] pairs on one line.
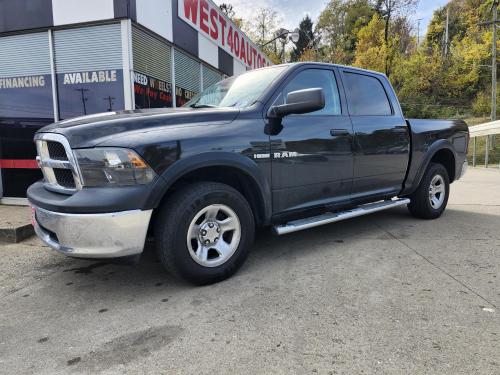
[[204, 232], [431, 197]]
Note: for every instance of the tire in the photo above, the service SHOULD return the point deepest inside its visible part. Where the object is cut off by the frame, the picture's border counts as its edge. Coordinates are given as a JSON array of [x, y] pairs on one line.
[[424, 205], [201, 212]]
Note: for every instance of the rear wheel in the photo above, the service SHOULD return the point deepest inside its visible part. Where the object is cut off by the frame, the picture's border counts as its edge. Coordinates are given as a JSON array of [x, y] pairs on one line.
[[431, 197], [204, 232]]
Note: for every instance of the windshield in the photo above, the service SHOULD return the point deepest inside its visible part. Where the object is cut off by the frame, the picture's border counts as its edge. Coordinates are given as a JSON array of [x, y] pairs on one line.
[[241, 91]]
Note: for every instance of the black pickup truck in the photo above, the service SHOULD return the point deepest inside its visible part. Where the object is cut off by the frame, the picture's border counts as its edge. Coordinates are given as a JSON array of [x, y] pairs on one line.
[[288, 147]]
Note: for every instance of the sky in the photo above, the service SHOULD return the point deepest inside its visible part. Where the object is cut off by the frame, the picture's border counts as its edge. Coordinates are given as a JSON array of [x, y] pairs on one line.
[[292, 11]]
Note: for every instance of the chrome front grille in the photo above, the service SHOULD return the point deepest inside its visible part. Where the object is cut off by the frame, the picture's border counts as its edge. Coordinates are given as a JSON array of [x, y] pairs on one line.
[[64, 177], [56, 151], [59, 166]]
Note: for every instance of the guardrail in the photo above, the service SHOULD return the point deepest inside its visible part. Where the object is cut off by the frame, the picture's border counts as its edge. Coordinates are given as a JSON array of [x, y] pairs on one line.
[[483, 130]]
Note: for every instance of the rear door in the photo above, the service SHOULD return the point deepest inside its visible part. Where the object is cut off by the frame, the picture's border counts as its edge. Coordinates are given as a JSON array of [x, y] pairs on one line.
[[312, 154], [381, 135]]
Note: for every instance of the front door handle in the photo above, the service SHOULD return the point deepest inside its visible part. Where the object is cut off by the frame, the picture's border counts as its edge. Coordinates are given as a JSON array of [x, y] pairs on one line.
[[339, 132]]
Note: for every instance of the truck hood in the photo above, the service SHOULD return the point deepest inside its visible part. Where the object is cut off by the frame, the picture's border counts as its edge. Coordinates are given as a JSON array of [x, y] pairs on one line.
[[89, 131]]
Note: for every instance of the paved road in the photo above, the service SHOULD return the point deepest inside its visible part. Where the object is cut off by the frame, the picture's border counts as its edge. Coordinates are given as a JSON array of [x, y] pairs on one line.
[[381, 294]]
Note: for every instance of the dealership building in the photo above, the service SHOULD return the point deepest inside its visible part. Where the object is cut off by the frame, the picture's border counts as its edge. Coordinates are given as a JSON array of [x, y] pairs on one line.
[[66, 58]]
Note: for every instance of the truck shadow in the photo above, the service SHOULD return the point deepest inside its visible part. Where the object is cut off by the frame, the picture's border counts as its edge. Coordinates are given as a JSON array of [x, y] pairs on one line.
[[148, 275]]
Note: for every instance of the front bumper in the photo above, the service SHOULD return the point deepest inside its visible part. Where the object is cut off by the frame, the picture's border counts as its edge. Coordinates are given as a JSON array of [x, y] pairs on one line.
[[463, 171], [104, 235]]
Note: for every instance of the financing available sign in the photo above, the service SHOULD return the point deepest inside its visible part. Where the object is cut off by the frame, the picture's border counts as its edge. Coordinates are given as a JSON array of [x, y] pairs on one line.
[[22, 82], [208, 19], [100, 76]]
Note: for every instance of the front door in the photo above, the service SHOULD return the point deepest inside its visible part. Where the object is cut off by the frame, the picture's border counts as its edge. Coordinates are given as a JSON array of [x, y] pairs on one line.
[[312, 159]]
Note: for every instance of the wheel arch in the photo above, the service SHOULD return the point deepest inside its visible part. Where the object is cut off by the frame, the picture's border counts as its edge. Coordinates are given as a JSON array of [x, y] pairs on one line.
[[439, 152], [234, 170], [447, 158]]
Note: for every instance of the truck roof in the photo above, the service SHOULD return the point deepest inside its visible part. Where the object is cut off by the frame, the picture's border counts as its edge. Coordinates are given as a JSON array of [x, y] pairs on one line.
[[329, 65]]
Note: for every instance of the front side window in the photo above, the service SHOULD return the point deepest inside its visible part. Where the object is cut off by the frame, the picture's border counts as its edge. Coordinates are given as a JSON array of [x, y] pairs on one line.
[[239, 92], [366, 96], [318, 78]]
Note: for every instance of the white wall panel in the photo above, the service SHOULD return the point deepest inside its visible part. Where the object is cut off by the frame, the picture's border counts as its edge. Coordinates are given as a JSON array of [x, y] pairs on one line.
[[76, 11], [24, 55], [88, 48], [151, 55], [239, 68], [208, 51], [156, 15], [187, 72], [210, 77]]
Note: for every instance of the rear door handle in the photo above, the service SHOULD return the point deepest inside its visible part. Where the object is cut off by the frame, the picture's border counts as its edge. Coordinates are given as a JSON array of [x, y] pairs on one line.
[[339, 132]]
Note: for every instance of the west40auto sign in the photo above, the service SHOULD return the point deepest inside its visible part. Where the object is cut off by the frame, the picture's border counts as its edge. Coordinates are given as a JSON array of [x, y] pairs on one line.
[[208, 19]]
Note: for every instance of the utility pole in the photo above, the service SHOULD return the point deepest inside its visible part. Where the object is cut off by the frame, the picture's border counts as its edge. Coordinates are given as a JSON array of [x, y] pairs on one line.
[[110, 100], [490, 140], [418, 31], [494, 10], [447, 42], [84, 99], [494, 63], [283, 44]]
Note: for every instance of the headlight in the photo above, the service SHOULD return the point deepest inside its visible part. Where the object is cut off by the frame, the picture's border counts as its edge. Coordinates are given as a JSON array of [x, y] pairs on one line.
[[112, 167]]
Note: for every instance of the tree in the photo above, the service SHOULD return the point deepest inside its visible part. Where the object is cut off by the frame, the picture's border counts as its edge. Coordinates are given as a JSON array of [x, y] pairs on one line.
[[264, 25], [390, 9], [431, 84], [306, 39], [229, 11], [358, 15], [371, 52], [262, 28], [338, 27], [436, 30], [308, 55], [331, 28], [379, 35]]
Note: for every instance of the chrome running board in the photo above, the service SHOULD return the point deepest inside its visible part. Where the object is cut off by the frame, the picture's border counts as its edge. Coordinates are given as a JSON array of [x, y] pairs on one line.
[[332, 217]]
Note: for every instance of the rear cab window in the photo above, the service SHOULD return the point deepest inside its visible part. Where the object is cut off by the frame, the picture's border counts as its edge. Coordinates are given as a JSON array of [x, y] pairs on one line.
[[366, 95]]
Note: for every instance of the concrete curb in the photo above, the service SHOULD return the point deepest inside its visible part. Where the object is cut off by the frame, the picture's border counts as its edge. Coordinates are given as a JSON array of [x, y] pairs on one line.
[[17, 234], [15, 223]]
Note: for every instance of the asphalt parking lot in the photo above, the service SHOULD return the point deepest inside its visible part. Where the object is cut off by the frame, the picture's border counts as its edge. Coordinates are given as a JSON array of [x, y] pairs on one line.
[[385, 293]]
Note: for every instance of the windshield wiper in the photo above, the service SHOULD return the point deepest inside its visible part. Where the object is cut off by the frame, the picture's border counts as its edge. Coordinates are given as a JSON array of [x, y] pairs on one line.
[[202, 106]]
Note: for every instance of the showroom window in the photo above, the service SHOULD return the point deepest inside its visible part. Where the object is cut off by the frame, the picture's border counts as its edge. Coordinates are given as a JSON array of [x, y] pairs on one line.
[[89, 70], [25, 106], [152, 71], [210, 76], [187, 78]]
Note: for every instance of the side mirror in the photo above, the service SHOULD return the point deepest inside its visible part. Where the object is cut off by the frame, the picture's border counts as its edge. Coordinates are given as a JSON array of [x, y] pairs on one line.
[[299, 102]]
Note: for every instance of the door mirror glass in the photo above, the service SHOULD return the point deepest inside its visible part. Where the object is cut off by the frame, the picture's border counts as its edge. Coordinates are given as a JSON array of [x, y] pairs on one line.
[[299, 102]]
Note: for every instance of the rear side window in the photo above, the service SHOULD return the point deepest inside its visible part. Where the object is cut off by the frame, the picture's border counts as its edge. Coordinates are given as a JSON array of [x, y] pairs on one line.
[[366, 96], [318, 78]]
